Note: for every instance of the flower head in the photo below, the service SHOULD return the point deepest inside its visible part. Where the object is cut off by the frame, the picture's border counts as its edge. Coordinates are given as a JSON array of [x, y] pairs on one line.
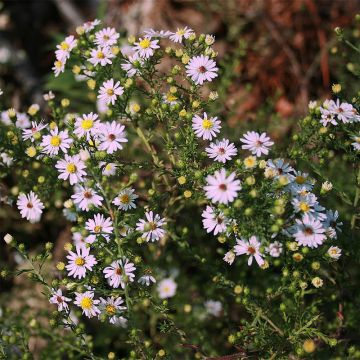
[[111, 135], [80, 261], [87, 303], [110, 91], [72, 168], [86, 197], [30, 206], [257, 143], [221, 151], [126, 199], [60, 300], [250, 248], [120, 272], [167, 288], [201, 68], [205, 127], [151, 227]]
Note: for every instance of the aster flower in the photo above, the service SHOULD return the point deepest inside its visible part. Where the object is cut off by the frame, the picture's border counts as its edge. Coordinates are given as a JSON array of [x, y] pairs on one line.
[[151, 227], [166, 288], [71, 168], [59, 67], [334, 252], [331, 223], [145, 47], [60, 300], [111, 135], [87, 303], [170, 99], [101, 55], [300, 182], [213, 307], [90, 25], [280, 167], [126, 199], [146, 279], [220, 188], [55, 141], [106, 37], [343, 111], [213, 221], [229, 257], [308, 232], [221, 151], [201, 68], [34, 132], [30, 206], [119, 273], [256, 143], [205, 127], [80, 261], [129, 65], [250, 248], [110, 91], [274, 249], [87, 125], [63, 50], [6, 159], [111, 307], [181, 33], [108, 169], [22, 121], [86, 197], [100, 225]]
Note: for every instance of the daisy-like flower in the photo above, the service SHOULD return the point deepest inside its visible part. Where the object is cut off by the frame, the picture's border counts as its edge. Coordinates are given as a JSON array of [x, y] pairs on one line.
[[145, 47], [106, 37], [30, 206], [280, 167], [213, 221], [55, 141], [300, 182], [108, 169], [166, 288], [221, 151], [49, 96], [308, 232], [343, 111], [59, 67], [229, 257], [151, 227], [170, 99], [99, 226], [201, 68], [109, 91], [87, 125], [256, 143], [90, 25], [356, 143], [72, 168], [60, 300], [111, 135], [146, 279], [327, 117], [275, 249], [63, 50], [205, 127], [119, 273], [111, 307], [220, 188], [80, 261], [129, 65], [250, 248], [87, 303], [22, 121], [213, 307], [34, 132], [334, 252], [157, 33], [6, 159], [181, 33], [86, 197], [126, 199], [101, 55]]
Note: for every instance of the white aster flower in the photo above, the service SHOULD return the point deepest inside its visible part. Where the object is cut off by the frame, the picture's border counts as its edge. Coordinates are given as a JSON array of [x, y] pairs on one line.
[[166, 288], [49, 96], [334, 252], [280, 167], [126, 199], [151, 227], [87, 125], [34, 132], [86, 197], [221, 150], [110, 91], [101, 55], [275, 249], [111, 135], [220, 188], [111, 307], [108, 169], [170, 99], [80, 261], [59, 67], [87, 303], [229, 257], [22, 121], [60, 300], [30, 206], [213, 221], [55, 141], [257, 143], [201, 68], [309, 232], [100, 225], [119, 273], [205, 127], [71, 168], [146, 279], [145, 47], [106, 37], [6, 159], [129, 65], [181, 33], [250, 248], [213, 307], [90, 25], [63, 50]]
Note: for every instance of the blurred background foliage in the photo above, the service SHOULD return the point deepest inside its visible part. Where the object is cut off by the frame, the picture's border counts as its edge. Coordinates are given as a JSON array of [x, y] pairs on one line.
[[275, 56]]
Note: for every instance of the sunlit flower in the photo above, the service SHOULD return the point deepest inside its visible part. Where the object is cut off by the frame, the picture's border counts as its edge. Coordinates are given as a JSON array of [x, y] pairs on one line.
[[87, 303], [110, 91], [229, 257], [181, 33], [205, 127], [55, 141], [106, 37], [63, 50], [221, 150], [151, 227], [201, 68], [86, 197], [129, 65], [90, 25], [60, 300], [111, 135], [309, 232], [30, 206], [274, 249], [334, 252], [108, 169], [213, 221], [101, 55], [59, 67], [34, 132], [145, 47], [119, 273], [71, 168], [99, 225], [126, 199], [256, 143], [250, 248], [80, 261], [87, 125], [111, 306]]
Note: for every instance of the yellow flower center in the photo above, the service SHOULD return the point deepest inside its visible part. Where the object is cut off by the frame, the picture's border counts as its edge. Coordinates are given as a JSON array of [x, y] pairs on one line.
[[166, 289], [180, 32], [207, 124], [145, 43], [300, 180], [64, 46], [100, 55], [71, 168], [333, 252], [58, 64], [110, 92], [124, 199], [304, 207], [87, 124], [108, 167], [357, 139], [97, 228], [55, 141], [170, 97], [86, 303], [110, 309], [80, 261]]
